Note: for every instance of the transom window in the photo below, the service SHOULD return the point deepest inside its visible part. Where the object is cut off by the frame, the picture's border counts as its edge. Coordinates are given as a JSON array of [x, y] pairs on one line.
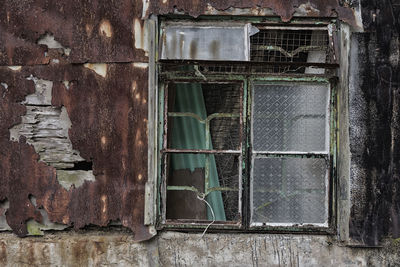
[[246, 124]]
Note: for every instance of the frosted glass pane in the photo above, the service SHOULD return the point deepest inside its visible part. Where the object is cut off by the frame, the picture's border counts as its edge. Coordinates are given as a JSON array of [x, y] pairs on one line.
[[290, 117], [205, 43], [289, 190]]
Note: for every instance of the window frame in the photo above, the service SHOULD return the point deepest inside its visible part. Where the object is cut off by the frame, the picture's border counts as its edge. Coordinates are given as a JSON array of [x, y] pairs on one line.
[[248, 80]]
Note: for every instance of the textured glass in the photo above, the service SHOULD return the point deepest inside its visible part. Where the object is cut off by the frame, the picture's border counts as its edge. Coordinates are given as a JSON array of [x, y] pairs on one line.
[[290, 117], [289, 190], [205, 43]]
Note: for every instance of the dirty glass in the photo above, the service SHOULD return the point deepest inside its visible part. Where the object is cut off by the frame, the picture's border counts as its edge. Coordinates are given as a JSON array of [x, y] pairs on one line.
[[289, 191], [290, 117], [205, 42]]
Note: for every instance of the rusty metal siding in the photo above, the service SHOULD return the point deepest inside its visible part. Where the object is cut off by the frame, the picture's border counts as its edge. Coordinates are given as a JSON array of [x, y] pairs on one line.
[[284, 9], [109, 117], [95, 31]]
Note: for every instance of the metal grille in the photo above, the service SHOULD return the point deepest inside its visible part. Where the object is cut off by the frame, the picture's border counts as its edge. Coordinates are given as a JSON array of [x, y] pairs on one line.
[[287, 45], [201, 70]]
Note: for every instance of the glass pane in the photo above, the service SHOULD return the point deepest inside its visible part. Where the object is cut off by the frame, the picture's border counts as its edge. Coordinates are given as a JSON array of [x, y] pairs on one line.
[[289, 190], [205, 42], [290, 117], [186, 180], [191, 106]]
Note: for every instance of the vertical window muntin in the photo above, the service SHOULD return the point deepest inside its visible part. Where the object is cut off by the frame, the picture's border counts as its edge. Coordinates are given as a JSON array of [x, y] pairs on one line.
[[293, 155]]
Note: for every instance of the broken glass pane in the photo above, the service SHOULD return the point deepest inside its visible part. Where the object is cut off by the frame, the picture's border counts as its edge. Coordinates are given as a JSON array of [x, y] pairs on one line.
[[289, 191], [291, 117]]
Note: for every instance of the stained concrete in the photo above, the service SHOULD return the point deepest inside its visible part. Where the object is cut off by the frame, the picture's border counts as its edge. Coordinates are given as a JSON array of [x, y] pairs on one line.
[[184, 249]]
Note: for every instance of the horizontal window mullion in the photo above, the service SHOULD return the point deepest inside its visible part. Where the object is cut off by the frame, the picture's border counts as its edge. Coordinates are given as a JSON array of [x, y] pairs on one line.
[[201, 151], [264, 154]]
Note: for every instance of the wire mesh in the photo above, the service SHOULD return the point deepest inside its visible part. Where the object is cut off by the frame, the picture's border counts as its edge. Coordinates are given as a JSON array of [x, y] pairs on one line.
[[286, 45]]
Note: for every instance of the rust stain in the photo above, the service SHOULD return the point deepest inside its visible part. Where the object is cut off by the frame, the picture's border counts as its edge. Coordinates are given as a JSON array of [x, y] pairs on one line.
[[284, 9], [72, 23], [117, 193]]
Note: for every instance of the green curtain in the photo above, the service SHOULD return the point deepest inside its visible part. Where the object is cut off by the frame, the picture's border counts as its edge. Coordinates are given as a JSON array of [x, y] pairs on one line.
[[189, 133]]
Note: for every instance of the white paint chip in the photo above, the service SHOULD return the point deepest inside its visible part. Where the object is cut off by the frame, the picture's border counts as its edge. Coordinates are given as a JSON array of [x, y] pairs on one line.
[[4, 85], [66, 84], [51, 43], [141, 65], [99, 68], [106, 29], [42, 95], [145, 5], [15, 68], [141, 35]]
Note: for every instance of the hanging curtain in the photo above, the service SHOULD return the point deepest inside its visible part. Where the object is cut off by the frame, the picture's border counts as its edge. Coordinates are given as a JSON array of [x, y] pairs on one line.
[[189, 133]]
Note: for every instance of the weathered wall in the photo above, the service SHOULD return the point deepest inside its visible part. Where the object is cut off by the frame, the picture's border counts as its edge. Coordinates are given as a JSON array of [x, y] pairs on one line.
[[94, 54], [374, 124], [106, 110], [178, 249]]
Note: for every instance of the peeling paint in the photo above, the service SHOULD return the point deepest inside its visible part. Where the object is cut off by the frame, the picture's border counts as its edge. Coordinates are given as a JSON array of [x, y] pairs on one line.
[[106, 29], [42, 95], [141, 65], [141, 38], [145, 4], [99, 68], [50, 42], [15, 68], [286, 10]]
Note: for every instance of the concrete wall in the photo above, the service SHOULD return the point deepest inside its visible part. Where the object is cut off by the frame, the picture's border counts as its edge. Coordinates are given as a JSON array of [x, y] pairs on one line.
[[183, 249]]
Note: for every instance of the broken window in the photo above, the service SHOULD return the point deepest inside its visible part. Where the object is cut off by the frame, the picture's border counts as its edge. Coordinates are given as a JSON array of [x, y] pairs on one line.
[[246, 124]]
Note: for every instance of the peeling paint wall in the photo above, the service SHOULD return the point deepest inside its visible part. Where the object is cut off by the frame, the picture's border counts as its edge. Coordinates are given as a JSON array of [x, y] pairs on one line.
[[74, 112]]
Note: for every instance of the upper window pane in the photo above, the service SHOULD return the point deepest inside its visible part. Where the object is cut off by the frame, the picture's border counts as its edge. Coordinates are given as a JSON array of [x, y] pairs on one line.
[[202, 42], [291, 118], [204, 116]]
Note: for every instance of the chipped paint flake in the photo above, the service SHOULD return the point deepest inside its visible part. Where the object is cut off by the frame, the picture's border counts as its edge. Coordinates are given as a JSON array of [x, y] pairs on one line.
[[51, 43], [141, 65], [15, 68], [307, 10], [141, 35], [42, 95], [106, 29], [146, 4], [66, 84], [99, 68]]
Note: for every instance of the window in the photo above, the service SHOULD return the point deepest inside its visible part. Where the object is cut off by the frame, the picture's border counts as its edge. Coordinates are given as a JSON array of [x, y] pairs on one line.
[[246, 124]]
